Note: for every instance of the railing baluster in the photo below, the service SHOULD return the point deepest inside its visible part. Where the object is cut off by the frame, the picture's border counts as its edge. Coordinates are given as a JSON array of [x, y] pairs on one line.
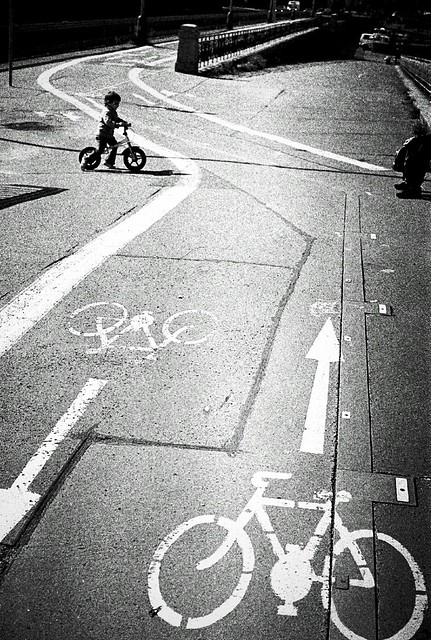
[[225, 45]]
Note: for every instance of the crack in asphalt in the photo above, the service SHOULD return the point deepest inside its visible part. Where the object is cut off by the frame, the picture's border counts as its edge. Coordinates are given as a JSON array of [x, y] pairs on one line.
[[209, 260], [232, 445]]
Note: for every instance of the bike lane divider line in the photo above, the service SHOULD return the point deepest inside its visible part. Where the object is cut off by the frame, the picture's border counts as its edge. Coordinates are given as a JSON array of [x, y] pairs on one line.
[[17, 501], [134, 77], [32, 303]]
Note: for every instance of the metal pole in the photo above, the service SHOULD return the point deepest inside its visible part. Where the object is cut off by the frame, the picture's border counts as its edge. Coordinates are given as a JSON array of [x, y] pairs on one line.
[[142, 26], [271, 11], [269, 15], [229, 17], [10, 45]]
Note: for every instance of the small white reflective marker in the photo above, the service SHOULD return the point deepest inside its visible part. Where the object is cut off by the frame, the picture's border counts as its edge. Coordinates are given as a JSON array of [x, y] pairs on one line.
[[345, 415], [402, 489], [348, 338], [383, 309], [373, 236]]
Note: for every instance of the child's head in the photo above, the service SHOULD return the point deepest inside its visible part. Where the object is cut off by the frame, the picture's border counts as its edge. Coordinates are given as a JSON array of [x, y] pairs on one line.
[[112, 99]]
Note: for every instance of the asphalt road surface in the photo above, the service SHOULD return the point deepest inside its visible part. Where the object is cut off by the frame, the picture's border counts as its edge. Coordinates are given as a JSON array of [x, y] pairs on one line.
[[215, 372]]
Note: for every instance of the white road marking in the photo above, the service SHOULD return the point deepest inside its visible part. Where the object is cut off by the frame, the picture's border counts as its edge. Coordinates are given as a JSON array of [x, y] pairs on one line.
[[89, 391], [36, 300], [161, 61], [134, 76], [325, 349], [144, 99], [16, 501], [92, 101], [248, 558], [420, 595], [108, 317], [70, 115], [293, 575], [325, 308]]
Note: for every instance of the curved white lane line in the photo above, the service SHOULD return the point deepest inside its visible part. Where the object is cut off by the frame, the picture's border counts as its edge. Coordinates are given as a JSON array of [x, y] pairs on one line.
[[134, 76], [36, 300]]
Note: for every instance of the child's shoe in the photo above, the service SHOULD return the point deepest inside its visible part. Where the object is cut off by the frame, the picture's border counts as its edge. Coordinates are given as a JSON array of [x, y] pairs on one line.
[[111, 166], [410, 193]]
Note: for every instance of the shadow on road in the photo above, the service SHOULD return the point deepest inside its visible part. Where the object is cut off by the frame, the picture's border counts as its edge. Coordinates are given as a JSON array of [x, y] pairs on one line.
[[16, 193]]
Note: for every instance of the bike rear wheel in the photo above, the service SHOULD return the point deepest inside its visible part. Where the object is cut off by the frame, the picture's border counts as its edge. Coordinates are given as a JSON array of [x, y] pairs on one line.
[[172, 617], [85, 153], [134, 159], [87, 321]]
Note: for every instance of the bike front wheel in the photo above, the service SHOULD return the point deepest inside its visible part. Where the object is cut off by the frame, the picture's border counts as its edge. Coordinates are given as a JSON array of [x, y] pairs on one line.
[[419, 598], [176, 619], [85, 153], [192, 326], [134, 159]]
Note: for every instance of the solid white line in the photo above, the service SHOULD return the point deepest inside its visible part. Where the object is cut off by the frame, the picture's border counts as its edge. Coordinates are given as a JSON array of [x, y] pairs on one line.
[[90, 390], [36, 300], [143, 99], [161, 61], [70, 116], [134, 76], [93, 101]]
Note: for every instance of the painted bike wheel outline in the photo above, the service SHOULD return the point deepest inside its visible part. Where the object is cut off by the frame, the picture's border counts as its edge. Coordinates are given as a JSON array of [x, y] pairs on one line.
[[156, 599], [172, 336], [116, 325], [421, 599]]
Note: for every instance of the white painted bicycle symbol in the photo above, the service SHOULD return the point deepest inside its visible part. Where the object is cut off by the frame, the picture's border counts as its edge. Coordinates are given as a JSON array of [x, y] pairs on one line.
[[108, 322], [292, 576]]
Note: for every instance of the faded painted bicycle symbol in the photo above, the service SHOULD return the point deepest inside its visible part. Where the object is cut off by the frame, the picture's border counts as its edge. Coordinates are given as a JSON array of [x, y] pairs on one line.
[[109, 325], [292, 576]]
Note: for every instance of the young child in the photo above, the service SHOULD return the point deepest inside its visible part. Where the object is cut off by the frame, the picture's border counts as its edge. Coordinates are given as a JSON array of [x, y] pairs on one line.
[[109, 120], [413, 160]]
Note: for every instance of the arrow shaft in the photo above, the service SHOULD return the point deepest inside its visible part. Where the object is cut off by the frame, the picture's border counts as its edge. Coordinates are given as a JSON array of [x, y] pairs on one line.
[[90, 390], [314, 432]]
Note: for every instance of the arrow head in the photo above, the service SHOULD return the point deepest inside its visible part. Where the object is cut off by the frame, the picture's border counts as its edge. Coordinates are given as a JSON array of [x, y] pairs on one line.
[[326, 346], [14, 505]]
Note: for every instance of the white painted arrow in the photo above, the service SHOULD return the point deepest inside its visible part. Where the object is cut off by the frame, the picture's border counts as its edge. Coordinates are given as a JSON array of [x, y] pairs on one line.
[[17, 501], [325, 349]]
